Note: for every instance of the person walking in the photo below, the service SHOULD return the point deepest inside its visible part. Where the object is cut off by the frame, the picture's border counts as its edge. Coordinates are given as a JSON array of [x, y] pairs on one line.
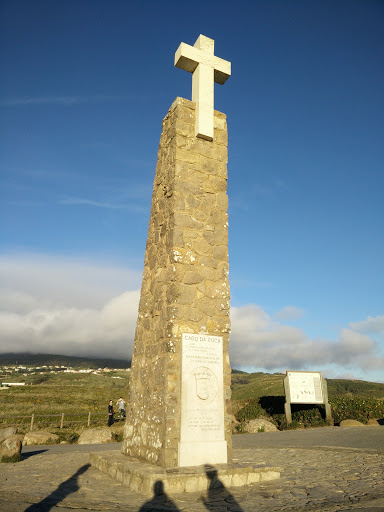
[[121, 405], [111, 412]]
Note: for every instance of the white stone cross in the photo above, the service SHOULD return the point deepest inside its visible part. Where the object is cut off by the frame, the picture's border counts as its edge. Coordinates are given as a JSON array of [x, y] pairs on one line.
[[206, 69]]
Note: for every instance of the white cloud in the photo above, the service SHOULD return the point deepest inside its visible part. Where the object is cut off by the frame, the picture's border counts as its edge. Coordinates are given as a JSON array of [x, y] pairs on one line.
[[289, 313], [67, 306], [370, 325], [52, 281], [257, 341], [78, 201], [108, 331], [79, 307]]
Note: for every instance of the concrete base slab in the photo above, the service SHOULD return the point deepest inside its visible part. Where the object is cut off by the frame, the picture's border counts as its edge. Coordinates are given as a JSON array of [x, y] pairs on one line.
[[145, 478], [197, 453]]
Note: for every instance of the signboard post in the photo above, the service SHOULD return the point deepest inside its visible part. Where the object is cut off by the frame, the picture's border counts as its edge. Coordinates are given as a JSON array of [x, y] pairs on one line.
[[305, 388]]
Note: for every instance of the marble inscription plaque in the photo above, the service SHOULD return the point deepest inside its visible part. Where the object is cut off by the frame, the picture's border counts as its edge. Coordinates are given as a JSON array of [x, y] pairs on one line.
[[202, 399], [305, 387]]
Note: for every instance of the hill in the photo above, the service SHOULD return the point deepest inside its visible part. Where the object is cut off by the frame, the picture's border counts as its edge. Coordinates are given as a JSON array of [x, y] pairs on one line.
[[26, 359], [246, 386]]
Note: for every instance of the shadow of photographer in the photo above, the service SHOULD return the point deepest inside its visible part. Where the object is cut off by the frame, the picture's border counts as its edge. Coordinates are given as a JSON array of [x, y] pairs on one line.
[[218, 495], [160, 500]]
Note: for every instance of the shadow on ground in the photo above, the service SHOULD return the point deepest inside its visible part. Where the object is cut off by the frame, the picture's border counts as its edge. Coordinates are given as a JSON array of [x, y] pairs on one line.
[[65, 488], [217, 498], [160, 500], [31, 454]]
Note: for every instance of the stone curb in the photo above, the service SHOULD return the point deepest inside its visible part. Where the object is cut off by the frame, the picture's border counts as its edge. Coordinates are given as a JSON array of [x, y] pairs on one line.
[[142, 477]]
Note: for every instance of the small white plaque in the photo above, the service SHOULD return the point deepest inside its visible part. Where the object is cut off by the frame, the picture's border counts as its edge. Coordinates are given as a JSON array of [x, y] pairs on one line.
[[305, 388], [202, 400]]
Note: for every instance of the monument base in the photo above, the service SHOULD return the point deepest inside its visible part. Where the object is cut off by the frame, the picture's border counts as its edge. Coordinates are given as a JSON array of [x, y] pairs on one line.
[[142, 477], [199, 452]]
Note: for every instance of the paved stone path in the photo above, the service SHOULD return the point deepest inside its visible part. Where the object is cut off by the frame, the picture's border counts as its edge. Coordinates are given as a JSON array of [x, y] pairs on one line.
[[318, 477]]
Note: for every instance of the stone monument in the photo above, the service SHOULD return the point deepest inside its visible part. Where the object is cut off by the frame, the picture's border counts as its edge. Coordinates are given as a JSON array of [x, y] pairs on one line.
[[179, 408], [178, 426]]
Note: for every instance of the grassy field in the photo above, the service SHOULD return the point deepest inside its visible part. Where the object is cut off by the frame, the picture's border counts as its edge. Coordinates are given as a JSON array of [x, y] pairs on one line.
[[77, 393], [68, 393]]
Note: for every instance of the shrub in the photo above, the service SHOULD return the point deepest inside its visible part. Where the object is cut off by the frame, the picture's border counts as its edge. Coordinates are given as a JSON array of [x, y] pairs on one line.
[[251, 411], [119, 436], [309, 416], [14, 458], [342, 407], [68, 437], [360, 409]]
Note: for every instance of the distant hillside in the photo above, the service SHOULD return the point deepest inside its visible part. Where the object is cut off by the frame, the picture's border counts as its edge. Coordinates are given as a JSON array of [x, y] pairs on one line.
[[255, 385], [244, 385], [26, 359]]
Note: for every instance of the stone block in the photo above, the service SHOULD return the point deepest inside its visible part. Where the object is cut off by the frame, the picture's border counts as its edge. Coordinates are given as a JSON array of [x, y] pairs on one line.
[[11, 445], [220, 252], [222, 202], [188, 156], [351, 423], [260, 425], [39, 437], [185, 128], [196, 180], [6, 432], [202, 247], [253, 478], [215, 184], [221, 137], [192, 277]]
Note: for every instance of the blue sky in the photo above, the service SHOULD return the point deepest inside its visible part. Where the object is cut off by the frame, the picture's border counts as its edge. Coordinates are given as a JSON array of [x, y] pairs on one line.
[[83, 91]]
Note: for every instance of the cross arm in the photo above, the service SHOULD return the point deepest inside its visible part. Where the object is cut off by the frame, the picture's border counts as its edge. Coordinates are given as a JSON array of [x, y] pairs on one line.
[[188, 57]]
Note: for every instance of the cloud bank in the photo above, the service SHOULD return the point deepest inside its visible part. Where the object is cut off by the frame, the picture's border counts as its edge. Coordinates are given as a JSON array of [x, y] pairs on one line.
[[66, 306], [78, 307], [258, 340]]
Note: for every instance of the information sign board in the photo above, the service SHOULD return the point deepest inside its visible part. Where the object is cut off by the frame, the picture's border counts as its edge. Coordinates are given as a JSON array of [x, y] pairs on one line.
[[305, 387]]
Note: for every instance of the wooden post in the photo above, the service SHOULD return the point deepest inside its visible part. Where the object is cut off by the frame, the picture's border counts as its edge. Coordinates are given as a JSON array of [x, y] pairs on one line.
[[32, 418], [287, 405], [288, 414], [62, 420], [328, 412], [89, 418]]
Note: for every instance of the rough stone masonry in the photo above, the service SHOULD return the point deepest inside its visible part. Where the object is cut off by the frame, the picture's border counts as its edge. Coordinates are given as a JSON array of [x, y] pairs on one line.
[[185, 287]]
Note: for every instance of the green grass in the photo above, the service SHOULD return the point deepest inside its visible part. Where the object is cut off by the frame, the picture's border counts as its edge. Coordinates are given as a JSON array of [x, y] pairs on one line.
[[63, 393], [258, 393], [246, 386], [13, 459]]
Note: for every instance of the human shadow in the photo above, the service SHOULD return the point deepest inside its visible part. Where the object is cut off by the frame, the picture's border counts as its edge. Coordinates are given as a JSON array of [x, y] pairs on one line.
[[160, 501], [65, 488], [218, 495]]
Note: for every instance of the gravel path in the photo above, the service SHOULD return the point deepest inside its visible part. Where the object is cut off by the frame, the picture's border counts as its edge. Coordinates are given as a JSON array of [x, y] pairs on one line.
[[327, 470]]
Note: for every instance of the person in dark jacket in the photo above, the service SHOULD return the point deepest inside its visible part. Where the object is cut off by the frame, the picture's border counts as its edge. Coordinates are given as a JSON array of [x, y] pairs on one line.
[[111, 412]]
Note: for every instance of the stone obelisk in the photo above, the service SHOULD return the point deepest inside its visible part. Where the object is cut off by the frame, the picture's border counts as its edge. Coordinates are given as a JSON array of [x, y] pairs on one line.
[[179, 407]]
